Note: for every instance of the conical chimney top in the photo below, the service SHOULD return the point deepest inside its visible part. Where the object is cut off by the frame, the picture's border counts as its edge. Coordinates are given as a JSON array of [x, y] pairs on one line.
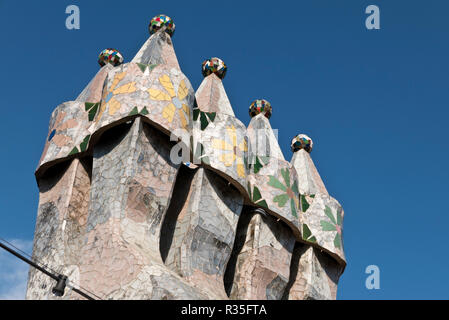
[[309, 180], [158, 49], [211, 95]]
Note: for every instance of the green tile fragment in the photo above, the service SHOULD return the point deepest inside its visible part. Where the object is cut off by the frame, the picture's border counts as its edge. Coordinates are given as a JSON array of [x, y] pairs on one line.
[[152, 66], [133, 112], [329, 214], [275, 183], [256, 194], [258, 165], [93, 111], [144, 111], [204, 121], [83, 145], [142, 66], [196, 113], [281, 199], [327, 226], [211, 116], [304, 204], [307, 234], [263, 203], [74, 151], [88, 105], [293, 208], [337, 241]]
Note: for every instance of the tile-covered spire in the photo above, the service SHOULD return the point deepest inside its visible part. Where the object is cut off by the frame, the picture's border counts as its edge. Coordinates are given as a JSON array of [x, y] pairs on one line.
[[107, 59], [211, 95], [158, 49], [309, 180], [318, 270], [263, 140]]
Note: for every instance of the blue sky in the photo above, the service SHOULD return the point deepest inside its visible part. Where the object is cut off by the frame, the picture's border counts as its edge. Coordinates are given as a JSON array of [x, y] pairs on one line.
[[375, 102]]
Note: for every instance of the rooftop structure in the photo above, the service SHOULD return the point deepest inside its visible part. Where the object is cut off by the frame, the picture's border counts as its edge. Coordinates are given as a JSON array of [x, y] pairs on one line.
[[150, 190]]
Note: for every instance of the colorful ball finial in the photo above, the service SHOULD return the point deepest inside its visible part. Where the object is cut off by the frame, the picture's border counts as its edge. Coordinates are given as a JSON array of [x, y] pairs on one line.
[[260, 106], [111, 56], [162, 21], [301, 141], [214, 65]]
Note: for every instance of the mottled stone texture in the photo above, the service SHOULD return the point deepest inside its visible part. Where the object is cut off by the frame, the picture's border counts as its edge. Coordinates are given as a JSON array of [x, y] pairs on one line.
[[263, 141], [211, 96], [133, 178], [314, 274], [309, 180], [60, 225], [158, 49], [205, 231], [262, 258], [92, 92]]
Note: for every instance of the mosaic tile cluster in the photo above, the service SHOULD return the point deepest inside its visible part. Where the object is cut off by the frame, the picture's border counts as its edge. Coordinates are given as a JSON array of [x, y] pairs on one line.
[[142, 174], [112, 56], [162, 21], [216, 66], [260, 106], [301, 141]]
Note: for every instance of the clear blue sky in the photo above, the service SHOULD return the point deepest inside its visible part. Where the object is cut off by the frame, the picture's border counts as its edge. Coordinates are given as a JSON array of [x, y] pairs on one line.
[[374, 102]]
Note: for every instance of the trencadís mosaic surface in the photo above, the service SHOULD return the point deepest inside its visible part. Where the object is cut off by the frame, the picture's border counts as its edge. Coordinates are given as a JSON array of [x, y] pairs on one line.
[[151, 92]]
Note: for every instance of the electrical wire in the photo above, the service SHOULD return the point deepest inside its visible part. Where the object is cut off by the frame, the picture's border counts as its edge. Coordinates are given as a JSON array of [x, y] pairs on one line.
[[35, 260], [73, 285], [43, 268], [28, 255]]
